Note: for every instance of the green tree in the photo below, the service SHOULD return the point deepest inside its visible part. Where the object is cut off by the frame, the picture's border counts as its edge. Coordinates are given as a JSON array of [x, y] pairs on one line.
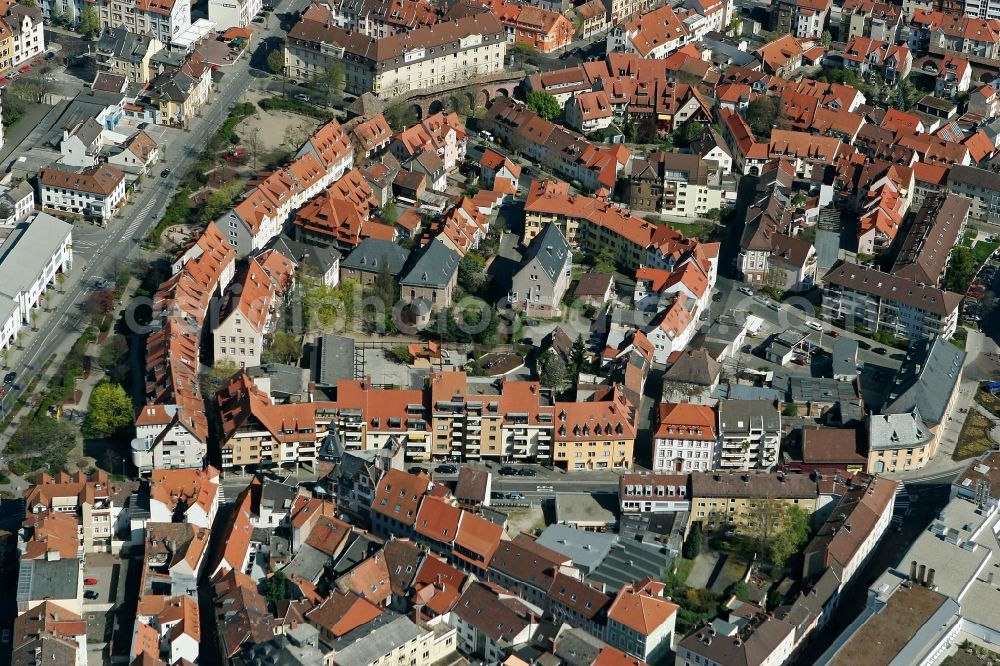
[[544, 104], [789, 540], [578, 354], [90, 22], [57, 13], [692, 546], [737, 589], [26, 3], [221, 199], [552, 370], [827, 38], [389, 213], [276, 61], [276, 587], [604, 262], [331, 79], [399, 354], [761, 115], [472, 273], [400, 115], [212, 378], [521, 50], [791, 409], [961, 269], [114, 352], [285, 348], [108, 411], [459, 104]]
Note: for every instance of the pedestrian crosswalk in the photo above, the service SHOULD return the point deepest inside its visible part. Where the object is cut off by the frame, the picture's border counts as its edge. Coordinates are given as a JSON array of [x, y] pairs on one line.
[[139, 218]]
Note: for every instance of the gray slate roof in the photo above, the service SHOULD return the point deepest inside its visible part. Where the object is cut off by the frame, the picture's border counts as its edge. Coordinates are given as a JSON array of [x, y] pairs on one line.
[[48, 579], [735, 416], [332, 359], [371, 253], [370, 642], [586, 549], [845, 356], [434, 267], [123, 44], [926, 380], [895, 431], [27, 249], [321, 258], [551, 250]]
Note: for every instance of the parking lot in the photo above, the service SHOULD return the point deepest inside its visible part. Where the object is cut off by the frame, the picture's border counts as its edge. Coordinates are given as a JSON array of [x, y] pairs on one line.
[[107, 571]]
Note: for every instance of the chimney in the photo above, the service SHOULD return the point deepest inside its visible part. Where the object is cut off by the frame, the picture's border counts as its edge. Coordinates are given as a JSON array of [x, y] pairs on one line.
[[930, 578], [922, 572], [913, 569]]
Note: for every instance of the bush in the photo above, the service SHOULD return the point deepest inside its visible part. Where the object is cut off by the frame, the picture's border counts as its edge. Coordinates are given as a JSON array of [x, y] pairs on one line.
[[692, 547], [737, 589], [399, 354], [294, 106]]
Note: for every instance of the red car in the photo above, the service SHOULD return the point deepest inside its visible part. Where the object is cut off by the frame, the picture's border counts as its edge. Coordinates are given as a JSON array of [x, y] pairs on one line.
[[798, 360], [832, 333], [25, 69], [90, 581]]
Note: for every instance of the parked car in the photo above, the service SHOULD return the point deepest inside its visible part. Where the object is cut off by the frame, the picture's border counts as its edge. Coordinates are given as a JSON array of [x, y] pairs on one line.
[[515, 496], [745, 290], [531, 322], [717, 296], [416, 470], [879, 350], [508, 471], [833, 334], [164, 173], [302, 97], [863, 345], [91, 594], [446, 469], [527, 471], [9, 378], [814, 325], [101, 283], [142, 126], [90, 581], [747, 349], [799, 360]]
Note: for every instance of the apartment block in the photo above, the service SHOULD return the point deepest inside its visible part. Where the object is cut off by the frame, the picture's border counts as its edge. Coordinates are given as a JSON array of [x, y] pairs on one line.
[[597, 434], [90, 500], [593, 166], [735, 500], [446, 52], [31, 257], [674, 184], [233, 13], [93, 192], [685, 439], [981, 186], [749, 434], [249, 313], [22, 36], [878, 301], [164, 19], [653, 493]]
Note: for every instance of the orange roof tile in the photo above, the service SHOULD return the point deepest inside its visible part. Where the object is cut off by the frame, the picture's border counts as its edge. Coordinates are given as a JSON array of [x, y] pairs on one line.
[[438, 520], [686, 421]]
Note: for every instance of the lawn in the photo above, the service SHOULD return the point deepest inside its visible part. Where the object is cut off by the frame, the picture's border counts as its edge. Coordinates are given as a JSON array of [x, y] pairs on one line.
[[981, 252], [989, 401], [974, 439], [703, 230]]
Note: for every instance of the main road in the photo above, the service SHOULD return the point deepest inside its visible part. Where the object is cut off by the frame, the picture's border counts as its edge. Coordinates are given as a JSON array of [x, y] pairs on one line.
[[120, 241]]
